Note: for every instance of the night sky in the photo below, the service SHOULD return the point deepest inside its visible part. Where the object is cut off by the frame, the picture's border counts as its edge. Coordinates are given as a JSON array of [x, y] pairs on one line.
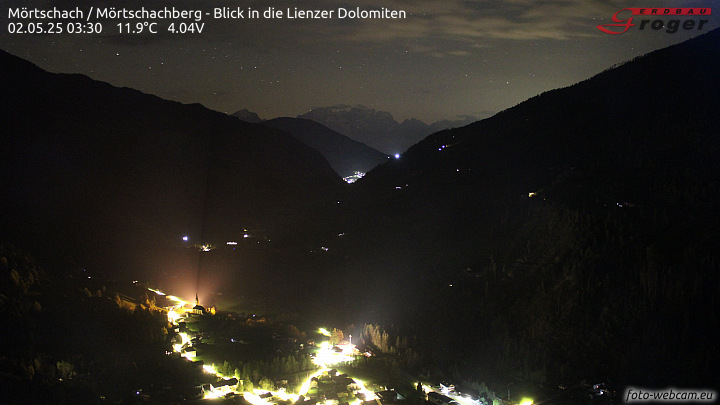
[[446, 59]]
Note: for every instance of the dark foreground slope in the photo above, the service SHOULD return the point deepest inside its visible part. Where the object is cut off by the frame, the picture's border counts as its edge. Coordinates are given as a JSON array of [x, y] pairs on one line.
[[111, 179], [74, 341], [573, 235], [344, 155]]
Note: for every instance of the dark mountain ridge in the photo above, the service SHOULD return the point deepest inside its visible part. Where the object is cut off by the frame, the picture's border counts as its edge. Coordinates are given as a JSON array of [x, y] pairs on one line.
[[110, 178], [568, 236], [338, 145], [345, 155], [609, 116]]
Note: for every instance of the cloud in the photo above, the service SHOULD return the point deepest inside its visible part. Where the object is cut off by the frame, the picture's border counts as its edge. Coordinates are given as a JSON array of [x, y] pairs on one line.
[[432, 27], [449, 27]]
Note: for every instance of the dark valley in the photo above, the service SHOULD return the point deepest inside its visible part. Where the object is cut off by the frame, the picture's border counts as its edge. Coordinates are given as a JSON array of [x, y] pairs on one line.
[[568, 240]]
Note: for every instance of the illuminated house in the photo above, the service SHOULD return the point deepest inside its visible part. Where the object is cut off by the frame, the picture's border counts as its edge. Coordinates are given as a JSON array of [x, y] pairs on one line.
[[439, 399], [198, 309], [221, 387]]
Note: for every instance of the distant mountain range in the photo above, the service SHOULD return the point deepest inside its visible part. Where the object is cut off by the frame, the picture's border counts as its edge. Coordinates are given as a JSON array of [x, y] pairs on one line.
[[377, 129], [247, 116]]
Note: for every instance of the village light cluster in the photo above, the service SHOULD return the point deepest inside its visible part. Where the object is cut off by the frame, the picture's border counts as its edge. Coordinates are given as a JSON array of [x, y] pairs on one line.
[[326, 356], [185, 349], [354, 177]]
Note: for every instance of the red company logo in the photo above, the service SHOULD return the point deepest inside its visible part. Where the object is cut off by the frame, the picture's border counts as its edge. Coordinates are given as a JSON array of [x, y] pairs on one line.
[[621, 26]]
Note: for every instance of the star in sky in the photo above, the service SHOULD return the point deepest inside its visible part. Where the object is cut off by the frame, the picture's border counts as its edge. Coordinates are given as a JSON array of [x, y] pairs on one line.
[[445, 59]]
